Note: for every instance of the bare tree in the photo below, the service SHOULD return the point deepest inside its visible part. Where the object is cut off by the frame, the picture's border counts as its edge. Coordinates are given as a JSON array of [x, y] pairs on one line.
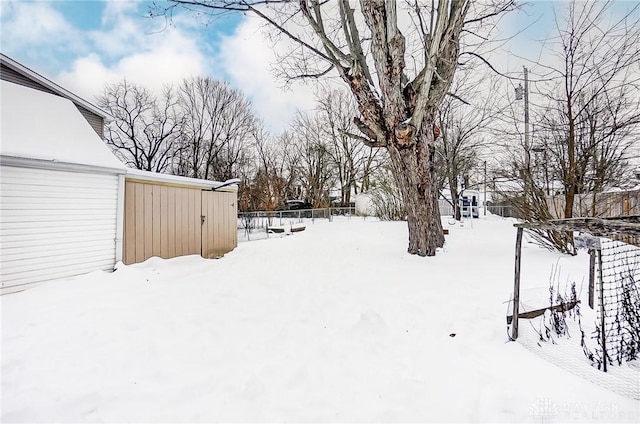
[[272, 184], [464, 137], [590, 112], [289, 164], [353, 161], [218, 125], [315, 165], [397, 82], [145, 128], [589, 117], [385, 200]]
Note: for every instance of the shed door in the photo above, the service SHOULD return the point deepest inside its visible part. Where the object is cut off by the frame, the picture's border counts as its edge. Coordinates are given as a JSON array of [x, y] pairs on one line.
[[55, 224], [219, 223]]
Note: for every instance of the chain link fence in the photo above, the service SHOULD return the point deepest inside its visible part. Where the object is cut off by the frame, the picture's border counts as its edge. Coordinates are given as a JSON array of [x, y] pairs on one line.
[[261, 224]]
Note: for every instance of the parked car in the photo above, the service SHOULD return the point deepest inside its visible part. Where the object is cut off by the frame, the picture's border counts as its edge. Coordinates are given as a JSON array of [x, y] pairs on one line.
[[297, 206], [294, 205]]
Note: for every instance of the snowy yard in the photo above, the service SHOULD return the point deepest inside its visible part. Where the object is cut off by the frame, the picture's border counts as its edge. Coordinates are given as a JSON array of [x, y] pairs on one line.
[[333, 324]]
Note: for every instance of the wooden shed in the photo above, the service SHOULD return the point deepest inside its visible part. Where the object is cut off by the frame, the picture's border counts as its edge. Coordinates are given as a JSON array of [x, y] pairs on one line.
[[169, 216]]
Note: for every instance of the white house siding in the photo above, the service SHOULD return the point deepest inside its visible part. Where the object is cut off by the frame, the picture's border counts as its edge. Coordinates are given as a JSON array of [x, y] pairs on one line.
[[55, 224]]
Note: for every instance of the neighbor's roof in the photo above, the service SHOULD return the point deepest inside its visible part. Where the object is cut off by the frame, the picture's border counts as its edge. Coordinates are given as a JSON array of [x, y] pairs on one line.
[[21, 69], [40, 126], [504, 185]]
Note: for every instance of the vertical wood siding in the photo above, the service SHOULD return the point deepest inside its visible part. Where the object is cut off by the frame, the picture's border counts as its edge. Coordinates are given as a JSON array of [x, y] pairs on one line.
[[160, 221], [609, 204], [167, 221], [55, 224]]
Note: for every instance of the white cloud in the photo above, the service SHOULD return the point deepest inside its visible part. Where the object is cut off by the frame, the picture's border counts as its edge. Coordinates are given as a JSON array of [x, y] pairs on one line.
[[125, 30], [116, 10], [248, 58], [26, 23], [87, 77], [125, 47], [38, 32], [151, 53], [168, 61]]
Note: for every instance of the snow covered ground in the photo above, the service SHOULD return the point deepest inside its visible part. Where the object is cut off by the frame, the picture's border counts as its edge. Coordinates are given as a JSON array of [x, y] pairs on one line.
[[333, 324]]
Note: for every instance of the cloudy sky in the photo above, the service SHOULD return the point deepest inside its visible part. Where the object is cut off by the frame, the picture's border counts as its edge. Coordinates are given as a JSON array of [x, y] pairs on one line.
[[82, 45]]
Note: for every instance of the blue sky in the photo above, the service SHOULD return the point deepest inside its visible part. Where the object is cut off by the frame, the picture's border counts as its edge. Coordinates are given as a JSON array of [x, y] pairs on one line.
[[84, 44]]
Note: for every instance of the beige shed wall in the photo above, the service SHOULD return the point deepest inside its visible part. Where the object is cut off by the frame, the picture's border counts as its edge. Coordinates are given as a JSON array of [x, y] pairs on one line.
[[168, 221]]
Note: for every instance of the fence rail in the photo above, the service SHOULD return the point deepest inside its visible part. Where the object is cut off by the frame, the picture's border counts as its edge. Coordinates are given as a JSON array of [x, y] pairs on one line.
[[609, 204], [601, 205], [503, 210]]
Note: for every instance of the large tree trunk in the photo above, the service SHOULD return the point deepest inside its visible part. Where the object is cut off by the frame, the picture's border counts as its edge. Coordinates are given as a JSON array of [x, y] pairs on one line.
[[414, 170]]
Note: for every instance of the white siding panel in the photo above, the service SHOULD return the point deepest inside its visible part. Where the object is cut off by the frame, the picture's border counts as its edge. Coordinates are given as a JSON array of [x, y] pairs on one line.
[[55, 224]]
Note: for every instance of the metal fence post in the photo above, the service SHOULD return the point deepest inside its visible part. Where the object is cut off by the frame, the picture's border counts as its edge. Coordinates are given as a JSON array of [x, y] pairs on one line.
[[602, 316]]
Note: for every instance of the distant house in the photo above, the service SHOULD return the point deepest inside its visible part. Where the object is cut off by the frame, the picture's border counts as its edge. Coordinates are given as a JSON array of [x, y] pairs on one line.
[[68, 206]]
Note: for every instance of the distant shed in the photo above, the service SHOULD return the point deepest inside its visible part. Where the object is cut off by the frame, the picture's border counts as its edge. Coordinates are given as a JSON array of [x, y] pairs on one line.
[[169, 216]]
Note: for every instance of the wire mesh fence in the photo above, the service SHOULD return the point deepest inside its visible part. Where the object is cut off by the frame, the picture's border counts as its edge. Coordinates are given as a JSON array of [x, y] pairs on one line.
[[608, 331], [505, 211], [617, 333]]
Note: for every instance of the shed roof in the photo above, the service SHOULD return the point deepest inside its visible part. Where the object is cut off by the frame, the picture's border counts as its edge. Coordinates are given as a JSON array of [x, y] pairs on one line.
[[154, 177], [45, 127]]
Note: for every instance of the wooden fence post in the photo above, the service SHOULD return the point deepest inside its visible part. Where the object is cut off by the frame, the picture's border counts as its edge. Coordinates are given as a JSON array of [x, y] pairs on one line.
[[516, 286]]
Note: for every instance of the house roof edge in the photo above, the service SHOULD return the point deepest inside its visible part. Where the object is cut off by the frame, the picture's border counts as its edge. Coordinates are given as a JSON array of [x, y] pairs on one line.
[[18, 67]]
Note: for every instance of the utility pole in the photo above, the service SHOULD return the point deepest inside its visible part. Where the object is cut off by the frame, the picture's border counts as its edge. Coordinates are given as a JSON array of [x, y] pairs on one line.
[[526, 172], [527, 147], [485, 188]]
